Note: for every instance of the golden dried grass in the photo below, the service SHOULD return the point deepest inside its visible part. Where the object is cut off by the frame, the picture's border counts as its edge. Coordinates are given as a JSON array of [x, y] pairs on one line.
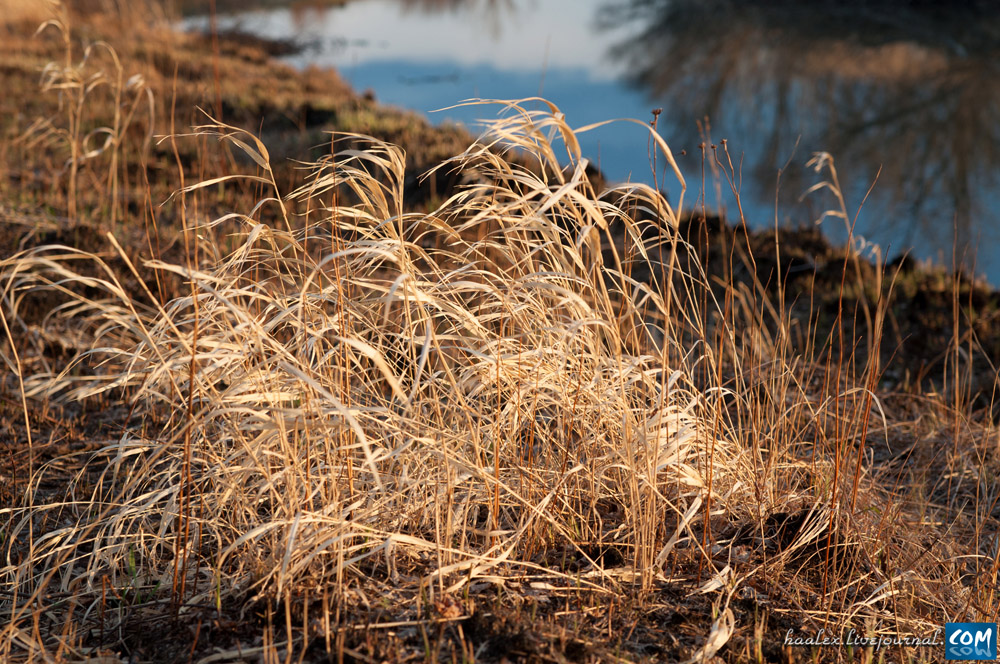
[[20, 12], [448, 409], [416, 404]]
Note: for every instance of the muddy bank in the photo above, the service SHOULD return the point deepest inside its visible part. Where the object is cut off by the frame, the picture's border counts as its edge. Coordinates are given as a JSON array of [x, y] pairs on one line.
[[930, 326], [172, 82]]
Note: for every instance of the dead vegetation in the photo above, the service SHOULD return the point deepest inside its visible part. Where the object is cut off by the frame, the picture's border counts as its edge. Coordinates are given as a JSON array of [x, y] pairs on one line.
[[539, 420]]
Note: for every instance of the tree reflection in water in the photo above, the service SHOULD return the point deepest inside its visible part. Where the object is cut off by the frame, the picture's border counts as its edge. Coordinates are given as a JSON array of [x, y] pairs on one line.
[[911, 88], [492, 13]]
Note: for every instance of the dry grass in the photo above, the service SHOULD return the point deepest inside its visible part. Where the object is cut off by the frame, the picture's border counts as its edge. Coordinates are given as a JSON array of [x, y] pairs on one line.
[[14, 12], [448, 410], [354, 417]]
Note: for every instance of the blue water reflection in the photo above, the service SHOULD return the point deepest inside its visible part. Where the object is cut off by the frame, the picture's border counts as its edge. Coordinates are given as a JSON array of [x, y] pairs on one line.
[[907, 101]]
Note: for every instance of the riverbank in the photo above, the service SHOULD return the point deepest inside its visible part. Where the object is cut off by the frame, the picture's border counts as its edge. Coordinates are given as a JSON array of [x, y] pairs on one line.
[[173, 81], [255, 414]]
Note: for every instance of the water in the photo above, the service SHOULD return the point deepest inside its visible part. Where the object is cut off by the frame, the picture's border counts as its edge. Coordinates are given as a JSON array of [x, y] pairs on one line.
[[904, 96]]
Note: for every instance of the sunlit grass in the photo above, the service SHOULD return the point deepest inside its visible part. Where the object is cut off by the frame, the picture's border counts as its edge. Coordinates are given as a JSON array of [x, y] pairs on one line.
[[535, 385]]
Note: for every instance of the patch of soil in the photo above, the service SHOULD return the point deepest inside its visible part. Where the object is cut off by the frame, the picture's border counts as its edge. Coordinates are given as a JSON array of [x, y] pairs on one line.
[[933, 318]]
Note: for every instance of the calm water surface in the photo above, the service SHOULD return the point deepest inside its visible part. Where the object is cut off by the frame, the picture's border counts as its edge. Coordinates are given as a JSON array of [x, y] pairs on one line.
[[905, 98]]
